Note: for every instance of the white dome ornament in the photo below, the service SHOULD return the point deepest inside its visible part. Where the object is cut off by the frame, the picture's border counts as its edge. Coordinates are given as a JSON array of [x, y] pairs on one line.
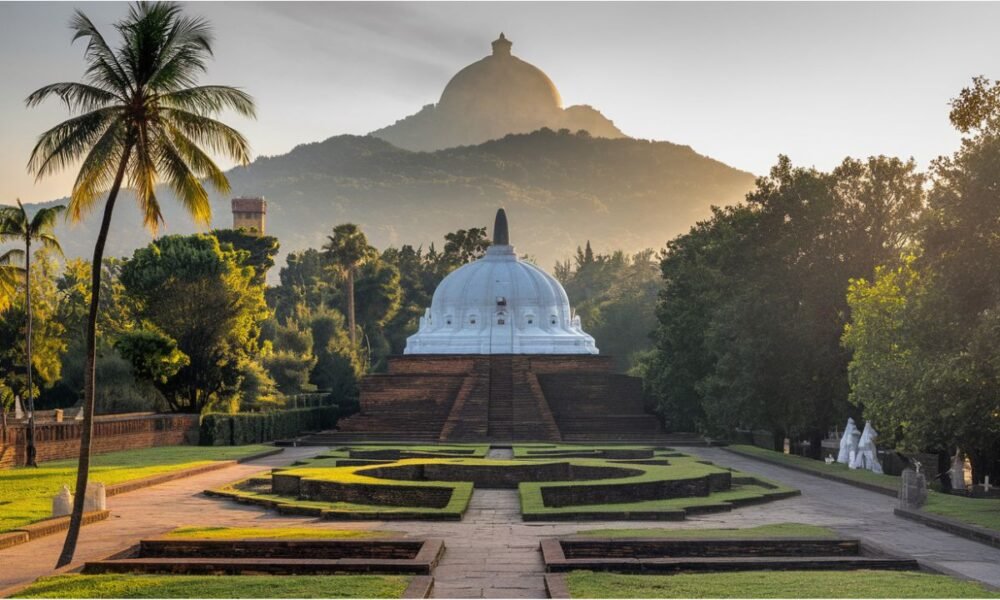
[[500, 304]]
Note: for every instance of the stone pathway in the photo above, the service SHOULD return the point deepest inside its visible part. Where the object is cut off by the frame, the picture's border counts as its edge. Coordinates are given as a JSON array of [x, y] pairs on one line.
[[492, 552]]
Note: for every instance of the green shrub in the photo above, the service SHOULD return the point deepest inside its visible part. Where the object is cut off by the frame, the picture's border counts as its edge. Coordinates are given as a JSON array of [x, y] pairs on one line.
[[223, 429]]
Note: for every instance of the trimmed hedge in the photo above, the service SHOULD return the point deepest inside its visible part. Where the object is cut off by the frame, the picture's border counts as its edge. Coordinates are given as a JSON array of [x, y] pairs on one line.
[[223, 429]]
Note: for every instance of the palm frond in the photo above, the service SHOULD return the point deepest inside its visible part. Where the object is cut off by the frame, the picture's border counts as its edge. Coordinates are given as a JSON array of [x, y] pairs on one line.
[[217, 136], [200, 163], [184, 54], [186, 186], [67, 142], [97, 172], [105, 69], [143, 174], [209, 99], [78, 97], [45, 219], [7, 258], [14, 223]]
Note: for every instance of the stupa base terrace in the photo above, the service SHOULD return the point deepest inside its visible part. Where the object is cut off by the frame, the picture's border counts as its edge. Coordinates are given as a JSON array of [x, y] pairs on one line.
[[498, 398]]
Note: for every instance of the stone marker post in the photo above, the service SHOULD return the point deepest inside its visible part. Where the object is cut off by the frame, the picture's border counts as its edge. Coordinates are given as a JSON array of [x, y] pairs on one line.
[[912, 489]]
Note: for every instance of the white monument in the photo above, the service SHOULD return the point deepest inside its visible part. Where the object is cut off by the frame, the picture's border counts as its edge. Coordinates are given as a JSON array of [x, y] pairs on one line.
[[62, 503], [866, 456], [848, 443], [500, 304]]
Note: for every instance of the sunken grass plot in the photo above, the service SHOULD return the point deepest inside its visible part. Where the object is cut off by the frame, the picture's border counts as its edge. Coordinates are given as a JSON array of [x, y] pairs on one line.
[[774, 584], [670, 491], [217, 586], [274, 533], [26, 492], [774, 530]]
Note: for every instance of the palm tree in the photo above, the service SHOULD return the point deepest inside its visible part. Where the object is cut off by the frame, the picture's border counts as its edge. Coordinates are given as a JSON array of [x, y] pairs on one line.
[[9, 274], [347, 250], [16, 226], [140, 118]]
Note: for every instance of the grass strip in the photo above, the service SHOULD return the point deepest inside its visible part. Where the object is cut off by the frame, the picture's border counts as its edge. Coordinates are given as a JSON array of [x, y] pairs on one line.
[[217, 586], [774, 584], [776, 530], [274, 533]]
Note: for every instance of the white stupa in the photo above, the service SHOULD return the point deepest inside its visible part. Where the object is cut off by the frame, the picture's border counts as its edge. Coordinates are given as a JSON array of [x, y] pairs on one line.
[[500, 304]]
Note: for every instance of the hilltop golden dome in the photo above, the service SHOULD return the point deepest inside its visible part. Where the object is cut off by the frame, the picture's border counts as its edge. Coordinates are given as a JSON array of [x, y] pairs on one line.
[[503, 85]]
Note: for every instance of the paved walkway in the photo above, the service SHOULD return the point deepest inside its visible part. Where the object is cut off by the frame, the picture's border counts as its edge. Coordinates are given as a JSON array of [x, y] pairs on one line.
[[492, 552], [148, 512]]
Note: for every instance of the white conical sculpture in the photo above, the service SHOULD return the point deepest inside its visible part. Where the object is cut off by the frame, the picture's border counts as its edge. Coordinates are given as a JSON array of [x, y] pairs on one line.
[[62, 503], [866, 456], [848, 442], [18, 409], [96, 498]]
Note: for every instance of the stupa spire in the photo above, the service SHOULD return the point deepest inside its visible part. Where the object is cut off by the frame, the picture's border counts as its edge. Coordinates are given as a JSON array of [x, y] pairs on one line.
[[501, 46], [501, 236]]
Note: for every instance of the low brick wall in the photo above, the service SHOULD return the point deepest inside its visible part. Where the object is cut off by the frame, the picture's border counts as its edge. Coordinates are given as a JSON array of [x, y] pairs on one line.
[[575, 495], [56, 441], [496, 476]]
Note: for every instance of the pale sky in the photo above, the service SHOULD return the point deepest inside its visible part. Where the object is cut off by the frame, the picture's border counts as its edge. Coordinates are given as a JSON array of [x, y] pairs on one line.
[[740, 82]]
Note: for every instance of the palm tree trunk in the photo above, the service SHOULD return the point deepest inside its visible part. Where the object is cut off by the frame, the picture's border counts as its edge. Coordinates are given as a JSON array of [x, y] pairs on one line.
[[32, 459], [350, 307], [83, 467]]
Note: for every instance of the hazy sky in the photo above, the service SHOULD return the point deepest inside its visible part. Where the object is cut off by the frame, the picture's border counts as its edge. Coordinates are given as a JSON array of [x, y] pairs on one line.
[[741, 82]]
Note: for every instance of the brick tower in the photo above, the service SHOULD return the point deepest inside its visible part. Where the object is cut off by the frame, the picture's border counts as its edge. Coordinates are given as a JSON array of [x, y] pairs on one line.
[[250, 214]]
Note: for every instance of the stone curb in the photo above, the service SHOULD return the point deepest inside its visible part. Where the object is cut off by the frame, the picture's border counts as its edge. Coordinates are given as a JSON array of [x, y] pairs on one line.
[[971, 532], [555, 585], [23, 535], [420, 587], [45, 527], [858, 484], [136, 484]]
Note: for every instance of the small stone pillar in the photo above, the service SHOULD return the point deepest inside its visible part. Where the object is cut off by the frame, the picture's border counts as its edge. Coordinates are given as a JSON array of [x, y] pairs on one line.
[[62, 503], [95, 498], [59, 415], [912, 489]]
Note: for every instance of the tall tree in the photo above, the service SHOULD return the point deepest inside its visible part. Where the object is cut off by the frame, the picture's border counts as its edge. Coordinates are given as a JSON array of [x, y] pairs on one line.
[[139, 119], [347, 250], [17, 226]]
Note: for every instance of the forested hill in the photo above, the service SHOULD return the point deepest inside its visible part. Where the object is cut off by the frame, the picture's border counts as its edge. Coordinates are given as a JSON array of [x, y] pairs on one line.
[[559, 189]]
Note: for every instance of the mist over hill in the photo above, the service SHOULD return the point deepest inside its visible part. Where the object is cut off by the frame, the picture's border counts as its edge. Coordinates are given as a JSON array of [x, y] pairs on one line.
[[560, 189]]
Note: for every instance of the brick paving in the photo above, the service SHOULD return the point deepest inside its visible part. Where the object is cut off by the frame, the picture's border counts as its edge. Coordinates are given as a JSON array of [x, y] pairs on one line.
[[491, 552]]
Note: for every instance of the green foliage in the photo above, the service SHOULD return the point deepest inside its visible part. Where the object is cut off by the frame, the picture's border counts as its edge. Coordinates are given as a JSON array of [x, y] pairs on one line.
[[201, 296], [48, 343], [753, 307], [237, 429], [153, 355], [260, 249], [615, 297], [926, 364], [217, 586]]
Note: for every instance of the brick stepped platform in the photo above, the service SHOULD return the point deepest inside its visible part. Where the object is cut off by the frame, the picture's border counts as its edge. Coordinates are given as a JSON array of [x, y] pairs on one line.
[[673, 555], [498, 398]]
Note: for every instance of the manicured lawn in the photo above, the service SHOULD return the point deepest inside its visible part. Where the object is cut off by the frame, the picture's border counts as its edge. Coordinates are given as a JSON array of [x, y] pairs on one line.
[[239, 586], [983, 512], [889, 482], [267, 533], [777, 530], [774, 584], [26, 493]]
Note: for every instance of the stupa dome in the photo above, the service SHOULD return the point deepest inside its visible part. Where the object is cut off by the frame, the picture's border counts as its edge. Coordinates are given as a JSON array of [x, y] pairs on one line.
[[494, 96], [500, 304], [502, 85]]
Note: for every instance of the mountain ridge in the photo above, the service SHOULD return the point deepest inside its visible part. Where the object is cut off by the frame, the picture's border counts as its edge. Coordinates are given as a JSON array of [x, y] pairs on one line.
[[560, 189]]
